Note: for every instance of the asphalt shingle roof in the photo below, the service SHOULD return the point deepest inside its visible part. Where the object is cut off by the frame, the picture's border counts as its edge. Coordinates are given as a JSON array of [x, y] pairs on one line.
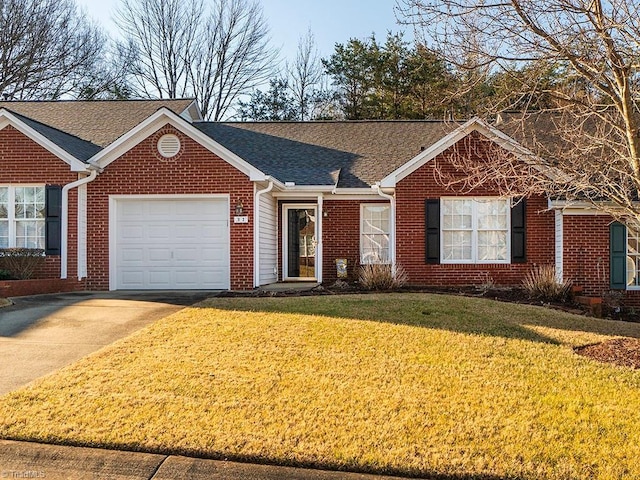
[[98, 121], [80, 149], [353, 153]]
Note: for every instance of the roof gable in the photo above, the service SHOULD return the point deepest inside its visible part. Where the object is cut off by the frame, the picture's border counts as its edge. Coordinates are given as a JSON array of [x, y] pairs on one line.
[[62, 145], [473, 125], [155, 122], [100, 122]]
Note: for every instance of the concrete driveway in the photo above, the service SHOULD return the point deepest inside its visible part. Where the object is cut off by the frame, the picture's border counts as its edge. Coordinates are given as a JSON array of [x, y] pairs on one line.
[[42, 333]]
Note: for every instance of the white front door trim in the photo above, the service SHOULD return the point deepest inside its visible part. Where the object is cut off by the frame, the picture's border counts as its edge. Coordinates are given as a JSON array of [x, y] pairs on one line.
[[285, 242]]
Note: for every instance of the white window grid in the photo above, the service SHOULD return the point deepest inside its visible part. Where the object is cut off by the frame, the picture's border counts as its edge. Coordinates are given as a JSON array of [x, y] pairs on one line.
[[473, 230], [22, 225], [375, 228]]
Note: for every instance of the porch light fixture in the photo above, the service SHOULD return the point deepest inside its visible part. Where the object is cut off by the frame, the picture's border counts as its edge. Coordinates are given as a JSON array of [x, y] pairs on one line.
[[239, 208]]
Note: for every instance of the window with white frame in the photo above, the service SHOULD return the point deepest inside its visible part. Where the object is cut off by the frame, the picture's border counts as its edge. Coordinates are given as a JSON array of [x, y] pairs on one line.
[[633, 257], [374, 233], [475, 230], [22, 216]]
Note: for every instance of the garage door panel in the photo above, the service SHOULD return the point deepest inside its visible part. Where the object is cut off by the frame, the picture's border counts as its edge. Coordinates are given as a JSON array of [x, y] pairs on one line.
[[155, 231], [159, 278], [131, 209], [133, 255], [134, 279], [177, 243], [132, 231], [187, 231], [159, 256]]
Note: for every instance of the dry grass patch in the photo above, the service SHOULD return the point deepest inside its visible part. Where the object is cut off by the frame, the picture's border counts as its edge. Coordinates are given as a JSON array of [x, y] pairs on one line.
[[404, 383], [4, 302]]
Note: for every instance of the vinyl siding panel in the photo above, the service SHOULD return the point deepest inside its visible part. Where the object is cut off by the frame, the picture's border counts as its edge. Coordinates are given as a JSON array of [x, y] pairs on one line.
[[268, 238]]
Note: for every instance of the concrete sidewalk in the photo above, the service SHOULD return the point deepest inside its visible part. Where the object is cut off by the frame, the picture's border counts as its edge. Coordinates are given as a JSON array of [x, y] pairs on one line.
[[53, 462]]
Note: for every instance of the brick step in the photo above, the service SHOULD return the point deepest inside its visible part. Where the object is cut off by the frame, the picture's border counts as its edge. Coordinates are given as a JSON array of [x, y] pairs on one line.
[[594, 304], [584, 300]]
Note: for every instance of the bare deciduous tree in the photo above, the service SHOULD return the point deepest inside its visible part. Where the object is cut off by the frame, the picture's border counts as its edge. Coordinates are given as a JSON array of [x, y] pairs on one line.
[[234, 56], [586, 135], [215, 51], [47, 48], [305, 74], [162, 33]]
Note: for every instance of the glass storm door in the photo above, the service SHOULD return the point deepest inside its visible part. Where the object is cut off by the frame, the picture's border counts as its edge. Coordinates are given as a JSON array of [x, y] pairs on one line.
[[300, 242]]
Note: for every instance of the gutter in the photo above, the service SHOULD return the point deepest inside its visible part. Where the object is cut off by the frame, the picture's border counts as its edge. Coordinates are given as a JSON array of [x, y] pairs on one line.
[[392, 222], [65, 219], [256, 232]]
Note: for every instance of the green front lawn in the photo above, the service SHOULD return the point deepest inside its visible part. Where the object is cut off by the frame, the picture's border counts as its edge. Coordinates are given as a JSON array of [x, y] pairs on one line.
[[400, 383]]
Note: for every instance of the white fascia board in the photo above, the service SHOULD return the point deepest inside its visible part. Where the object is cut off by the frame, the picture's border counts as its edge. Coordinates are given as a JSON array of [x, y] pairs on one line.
[[307, 191], [328, 194], [475, 124], [159, 119], [6, 118], [575, 207], [354, 191]]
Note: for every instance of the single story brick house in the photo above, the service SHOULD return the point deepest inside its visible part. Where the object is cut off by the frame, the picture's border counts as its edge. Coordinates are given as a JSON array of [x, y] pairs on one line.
[[143, 194]]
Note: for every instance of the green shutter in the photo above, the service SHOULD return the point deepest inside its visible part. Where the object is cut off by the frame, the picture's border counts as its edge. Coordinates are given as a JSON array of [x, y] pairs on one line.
[[618, 256], [519, 232], [432, 231]]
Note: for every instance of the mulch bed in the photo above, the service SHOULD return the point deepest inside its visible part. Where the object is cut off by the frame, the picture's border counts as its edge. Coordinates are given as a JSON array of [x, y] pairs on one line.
[[619, 351]]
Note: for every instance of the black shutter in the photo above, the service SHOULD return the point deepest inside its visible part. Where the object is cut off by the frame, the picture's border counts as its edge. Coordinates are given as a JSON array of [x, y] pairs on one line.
[[518, 232], [53, 220], [432, 231], [618, 256]]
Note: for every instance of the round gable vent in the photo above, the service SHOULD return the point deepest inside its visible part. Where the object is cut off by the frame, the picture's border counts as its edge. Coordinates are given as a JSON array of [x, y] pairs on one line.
[[168, 145]]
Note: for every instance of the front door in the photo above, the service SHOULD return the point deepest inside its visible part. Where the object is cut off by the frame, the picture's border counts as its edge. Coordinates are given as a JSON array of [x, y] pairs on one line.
[[300, 241]]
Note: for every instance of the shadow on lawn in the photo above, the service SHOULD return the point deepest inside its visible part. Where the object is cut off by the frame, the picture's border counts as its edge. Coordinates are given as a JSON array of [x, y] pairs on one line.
[[454, 313]]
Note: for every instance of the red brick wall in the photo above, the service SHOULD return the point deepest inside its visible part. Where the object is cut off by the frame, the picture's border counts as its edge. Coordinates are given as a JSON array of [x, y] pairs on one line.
[[23, 161], [140, 171], [341, 231], [424, 183], [586, 252], [586, 256]]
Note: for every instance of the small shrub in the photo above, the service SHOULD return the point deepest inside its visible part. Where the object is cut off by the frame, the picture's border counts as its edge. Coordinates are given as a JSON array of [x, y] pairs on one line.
[[21, 262], [541, 283], [376, 276], [487, 283], [5, 275]]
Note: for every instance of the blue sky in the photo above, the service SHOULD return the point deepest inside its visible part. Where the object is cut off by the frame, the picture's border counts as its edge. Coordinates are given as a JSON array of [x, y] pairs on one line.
[[331, 21]]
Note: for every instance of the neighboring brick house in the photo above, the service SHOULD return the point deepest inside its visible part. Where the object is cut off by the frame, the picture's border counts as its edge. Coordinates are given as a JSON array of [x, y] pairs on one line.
[[146, 195]]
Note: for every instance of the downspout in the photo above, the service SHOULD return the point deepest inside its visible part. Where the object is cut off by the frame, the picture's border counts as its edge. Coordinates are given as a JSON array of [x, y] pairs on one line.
[[256, 232], [392, 223], [65, 219]]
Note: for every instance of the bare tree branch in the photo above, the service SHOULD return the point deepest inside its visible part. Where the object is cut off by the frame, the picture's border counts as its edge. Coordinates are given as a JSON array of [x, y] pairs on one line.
[[46, 48], [586, 131], [305, 73], [215, 51]]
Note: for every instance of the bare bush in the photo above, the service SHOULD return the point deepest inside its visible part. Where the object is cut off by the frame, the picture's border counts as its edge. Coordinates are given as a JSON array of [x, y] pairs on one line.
[[377, 276], [21, 262], [541, 282]]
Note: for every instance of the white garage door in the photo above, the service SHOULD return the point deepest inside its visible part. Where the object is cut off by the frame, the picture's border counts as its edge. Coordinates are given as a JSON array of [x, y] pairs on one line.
[[172, 244]]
